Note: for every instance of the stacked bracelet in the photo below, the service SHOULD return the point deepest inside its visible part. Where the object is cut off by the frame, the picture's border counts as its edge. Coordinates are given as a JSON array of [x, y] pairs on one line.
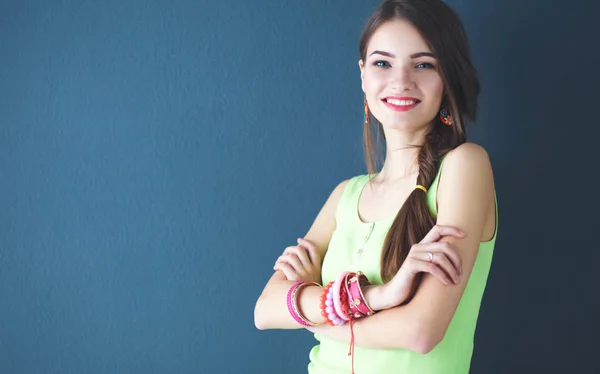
[[292, 303], [356, 296], [357, 305], [342, 300]]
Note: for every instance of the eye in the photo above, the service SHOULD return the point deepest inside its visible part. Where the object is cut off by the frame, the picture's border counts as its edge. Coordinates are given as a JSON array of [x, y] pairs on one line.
[[381, 63], [425, 65]]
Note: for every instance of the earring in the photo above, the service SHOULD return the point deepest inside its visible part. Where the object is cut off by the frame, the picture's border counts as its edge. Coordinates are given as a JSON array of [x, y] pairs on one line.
[[366, 112], [446, 117]]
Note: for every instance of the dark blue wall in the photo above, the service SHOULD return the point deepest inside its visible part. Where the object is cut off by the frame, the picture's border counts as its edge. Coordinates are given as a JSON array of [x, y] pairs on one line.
[[157, 156]]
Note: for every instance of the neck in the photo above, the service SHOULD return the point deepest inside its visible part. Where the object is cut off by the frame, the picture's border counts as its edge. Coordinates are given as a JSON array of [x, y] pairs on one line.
[[401, 155]]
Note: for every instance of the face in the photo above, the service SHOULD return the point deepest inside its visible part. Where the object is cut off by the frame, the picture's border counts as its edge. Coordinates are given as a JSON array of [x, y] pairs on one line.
[[400, 77]]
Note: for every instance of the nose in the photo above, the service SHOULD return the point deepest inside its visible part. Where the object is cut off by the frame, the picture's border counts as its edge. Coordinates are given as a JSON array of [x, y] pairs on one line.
[[402, 78]]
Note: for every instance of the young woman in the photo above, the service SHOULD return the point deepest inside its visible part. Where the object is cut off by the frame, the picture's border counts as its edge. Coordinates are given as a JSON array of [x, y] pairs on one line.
[[391, 274]]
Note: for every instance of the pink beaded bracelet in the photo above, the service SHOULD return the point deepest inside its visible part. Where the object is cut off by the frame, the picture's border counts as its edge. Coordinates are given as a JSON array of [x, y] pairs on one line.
[[331, 310], [337, 287]]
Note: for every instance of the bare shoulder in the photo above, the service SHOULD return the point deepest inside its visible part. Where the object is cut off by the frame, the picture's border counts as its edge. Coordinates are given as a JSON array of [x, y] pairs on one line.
[[333, 200], [324, 225], [468, 163], [469, 154], [339, 189]]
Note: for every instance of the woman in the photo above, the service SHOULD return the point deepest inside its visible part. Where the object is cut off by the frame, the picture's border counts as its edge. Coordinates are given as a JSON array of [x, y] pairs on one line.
[[422, 239]]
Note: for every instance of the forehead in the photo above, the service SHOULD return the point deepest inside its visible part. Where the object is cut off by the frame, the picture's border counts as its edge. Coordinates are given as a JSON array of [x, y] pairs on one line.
[[398, 37]]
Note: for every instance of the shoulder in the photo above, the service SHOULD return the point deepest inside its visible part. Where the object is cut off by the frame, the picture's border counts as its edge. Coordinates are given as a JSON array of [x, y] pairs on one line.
[[338, 191], [341, 187], [467, 176], [467, 161], [334, 198], [468, 155], [344, 188], [325, 223]]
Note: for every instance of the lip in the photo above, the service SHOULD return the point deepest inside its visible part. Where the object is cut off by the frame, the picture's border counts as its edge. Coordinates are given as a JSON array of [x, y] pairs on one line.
[[399, 108]]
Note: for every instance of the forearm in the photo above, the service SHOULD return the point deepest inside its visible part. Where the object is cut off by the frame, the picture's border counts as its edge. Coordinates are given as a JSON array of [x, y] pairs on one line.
[[398, 327], [271, 311]]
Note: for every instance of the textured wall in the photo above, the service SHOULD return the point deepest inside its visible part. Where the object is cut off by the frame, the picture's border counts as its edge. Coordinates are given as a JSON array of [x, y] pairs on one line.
[[157, 156]]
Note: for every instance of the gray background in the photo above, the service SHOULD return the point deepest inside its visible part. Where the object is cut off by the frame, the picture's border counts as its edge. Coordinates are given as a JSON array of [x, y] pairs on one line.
[[157, 156]]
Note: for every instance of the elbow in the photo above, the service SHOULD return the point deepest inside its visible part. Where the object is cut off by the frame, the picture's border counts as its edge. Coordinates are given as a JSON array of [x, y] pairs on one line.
[[424, 345], [426, 341], [260, 321]]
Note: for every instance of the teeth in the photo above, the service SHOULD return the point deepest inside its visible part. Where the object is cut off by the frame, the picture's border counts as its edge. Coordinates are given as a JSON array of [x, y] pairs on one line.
[[401, 102]]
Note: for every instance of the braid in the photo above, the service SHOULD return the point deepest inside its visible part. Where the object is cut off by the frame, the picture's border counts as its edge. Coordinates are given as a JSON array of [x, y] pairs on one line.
[[414, 220]]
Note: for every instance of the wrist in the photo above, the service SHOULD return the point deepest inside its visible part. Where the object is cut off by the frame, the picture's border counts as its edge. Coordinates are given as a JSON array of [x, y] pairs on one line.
[[375, 296]]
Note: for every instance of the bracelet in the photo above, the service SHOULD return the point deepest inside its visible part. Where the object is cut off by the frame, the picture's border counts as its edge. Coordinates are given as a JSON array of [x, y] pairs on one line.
[[345, 307], [325, 303], [292, 303], [364, 281], [332, 314], [353, 311], [356, 296], [337, 291]]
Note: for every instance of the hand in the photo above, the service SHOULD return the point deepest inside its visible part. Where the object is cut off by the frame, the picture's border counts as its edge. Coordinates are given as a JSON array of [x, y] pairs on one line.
[[300, 262], [440, 259]]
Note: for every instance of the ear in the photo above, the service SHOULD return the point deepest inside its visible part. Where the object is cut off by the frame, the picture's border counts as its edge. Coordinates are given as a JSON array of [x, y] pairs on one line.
[[362, 74]]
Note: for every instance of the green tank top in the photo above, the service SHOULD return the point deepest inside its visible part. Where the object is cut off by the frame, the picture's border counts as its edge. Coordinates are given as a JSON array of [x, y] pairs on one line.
[[356, 245]]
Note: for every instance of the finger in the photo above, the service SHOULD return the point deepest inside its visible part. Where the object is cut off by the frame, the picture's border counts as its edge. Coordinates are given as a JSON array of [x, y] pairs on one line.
[[451, 253], [293, 260], [313, 252], [440, 247], [439, 231], [278, 260], [289, 272], [440, 259], [290, 251], [302, 255], [418, 266]]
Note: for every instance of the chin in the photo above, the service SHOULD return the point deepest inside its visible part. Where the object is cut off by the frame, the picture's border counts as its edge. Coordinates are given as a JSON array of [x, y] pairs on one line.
[[405, 125]]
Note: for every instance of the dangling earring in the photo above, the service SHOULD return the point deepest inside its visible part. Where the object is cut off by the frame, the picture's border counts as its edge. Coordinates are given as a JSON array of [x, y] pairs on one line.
[[366, 112], [446, 117]]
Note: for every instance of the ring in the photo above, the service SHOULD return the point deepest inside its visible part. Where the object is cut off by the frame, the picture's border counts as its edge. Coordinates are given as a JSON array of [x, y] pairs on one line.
[[430, 256]]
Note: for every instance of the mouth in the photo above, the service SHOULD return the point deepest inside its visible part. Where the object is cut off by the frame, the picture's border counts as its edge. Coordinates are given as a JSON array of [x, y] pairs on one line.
[[401, 104]]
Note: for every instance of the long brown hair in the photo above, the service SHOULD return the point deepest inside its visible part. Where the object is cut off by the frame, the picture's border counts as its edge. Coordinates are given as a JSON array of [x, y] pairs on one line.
[[442, 29]]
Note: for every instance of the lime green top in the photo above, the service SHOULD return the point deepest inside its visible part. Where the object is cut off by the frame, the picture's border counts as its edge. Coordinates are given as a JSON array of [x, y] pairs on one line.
[[347, 252]]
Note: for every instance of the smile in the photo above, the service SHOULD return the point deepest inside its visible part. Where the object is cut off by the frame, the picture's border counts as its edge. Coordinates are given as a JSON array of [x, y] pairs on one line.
[[401, 104]]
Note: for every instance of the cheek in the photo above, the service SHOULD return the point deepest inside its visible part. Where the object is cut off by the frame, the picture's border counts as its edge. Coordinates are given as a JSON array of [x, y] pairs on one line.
[[434, 86], [373, 79]]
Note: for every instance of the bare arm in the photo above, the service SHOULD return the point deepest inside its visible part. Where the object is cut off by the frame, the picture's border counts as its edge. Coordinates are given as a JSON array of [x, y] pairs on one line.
[[465, 194], [271, 310]]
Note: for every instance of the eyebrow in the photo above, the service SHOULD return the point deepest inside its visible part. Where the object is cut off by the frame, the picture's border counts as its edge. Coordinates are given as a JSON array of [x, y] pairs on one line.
[[414, 55]]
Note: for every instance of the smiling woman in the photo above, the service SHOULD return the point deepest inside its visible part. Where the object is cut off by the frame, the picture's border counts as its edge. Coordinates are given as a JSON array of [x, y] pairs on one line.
[[392, 272]]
